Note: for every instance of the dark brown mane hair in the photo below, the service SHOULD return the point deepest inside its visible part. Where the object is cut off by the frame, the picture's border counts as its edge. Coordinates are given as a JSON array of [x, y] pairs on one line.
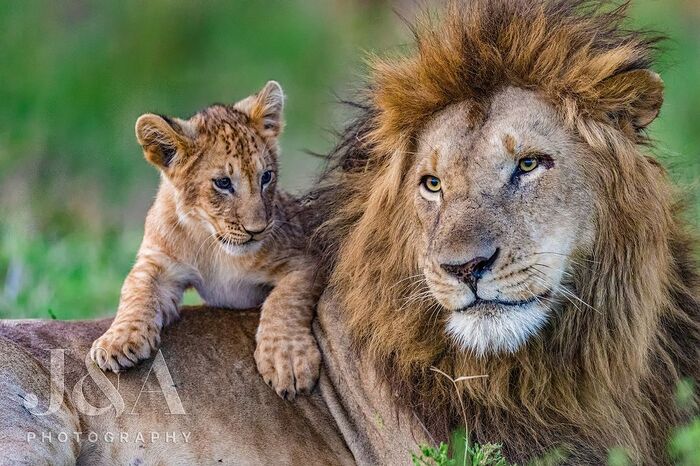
[[591, 380]]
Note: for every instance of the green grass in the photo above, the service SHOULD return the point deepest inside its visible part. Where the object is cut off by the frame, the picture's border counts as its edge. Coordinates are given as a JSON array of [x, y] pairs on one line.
[[685, 444], [460, 452], [682, 448], [677, 130], [65, 275]]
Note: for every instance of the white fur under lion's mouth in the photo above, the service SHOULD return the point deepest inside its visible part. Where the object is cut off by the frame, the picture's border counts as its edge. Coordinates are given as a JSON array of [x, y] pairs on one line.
[[490, 328]]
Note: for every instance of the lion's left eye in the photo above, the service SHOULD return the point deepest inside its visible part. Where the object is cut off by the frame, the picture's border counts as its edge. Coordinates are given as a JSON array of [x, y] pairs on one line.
[[432, 183]]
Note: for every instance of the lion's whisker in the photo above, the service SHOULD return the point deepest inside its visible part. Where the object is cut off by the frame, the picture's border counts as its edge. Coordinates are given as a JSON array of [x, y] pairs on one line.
[[560, 270], [537, 298], [567, 293], [410, 277], [415, 298], [565, 255], [434, 312]]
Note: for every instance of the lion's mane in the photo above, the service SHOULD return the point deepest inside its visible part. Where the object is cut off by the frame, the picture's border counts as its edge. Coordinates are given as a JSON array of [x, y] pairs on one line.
[[598, 376]]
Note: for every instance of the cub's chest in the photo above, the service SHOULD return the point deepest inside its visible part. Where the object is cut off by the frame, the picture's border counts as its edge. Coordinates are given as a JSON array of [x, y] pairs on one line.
[[232, 287]]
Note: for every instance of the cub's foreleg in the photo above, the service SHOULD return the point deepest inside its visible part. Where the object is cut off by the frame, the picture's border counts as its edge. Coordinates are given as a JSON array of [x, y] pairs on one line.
[[149, 300], [286, 354]]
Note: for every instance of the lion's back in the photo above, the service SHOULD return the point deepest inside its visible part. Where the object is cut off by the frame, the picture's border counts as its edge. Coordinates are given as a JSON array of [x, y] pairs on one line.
[[199, 401]]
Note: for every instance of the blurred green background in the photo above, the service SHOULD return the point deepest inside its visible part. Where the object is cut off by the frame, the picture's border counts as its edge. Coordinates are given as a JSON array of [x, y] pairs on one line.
[[75, 75]]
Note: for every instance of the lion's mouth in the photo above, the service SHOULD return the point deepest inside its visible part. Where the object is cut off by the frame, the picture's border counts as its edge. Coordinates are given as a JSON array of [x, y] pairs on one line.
[[495, 304]]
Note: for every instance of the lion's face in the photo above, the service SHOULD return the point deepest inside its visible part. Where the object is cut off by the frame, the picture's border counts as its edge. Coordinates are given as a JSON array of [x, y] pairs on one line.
[[222, 164], [504, 209]]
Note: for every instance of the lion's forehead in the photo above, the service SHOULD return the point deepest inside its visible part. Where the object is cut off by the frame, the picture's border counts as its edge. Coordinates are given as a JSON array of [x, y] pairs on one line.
[[512, 119], [515, 122]]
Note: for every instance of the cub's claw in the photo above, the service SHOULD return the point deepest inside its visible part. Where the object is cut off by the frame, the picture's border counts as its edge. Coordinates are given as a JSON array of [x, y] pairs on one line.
[[289, 364], [117, 349]]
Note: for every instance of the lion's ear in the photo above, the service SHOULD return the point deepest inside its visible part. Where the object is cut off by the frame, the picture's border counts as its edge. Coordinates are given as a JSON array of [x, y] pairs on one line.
[[633, 98], [161, 138], [265, 108]]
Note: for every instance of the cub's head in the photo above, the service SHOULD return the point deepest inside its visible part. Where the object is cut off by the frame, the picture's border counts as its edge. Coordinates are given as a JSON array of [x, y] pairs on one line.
[[222, 164]]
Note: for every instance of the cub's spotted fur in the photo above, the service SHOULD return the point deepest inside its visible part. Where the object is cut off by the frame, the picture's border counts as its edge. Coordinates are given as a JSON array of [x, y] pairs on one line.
[[219, 225]]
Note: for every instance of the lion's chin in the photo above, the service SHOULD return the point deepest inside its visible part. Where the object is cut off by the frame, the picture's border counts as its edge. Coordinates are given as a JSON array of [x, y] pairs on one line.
[[491, 328]]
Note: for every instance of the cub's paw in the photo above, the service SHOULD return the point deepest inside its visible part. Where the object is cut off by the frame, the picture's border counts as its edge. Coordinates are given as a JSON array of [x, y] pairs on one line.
[[288, 361], [119, 348]]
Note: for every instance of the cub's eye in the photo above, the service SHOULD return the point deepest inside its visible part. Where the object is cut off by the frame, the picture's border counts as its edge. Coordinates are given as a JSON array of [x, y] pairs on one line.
[[432, 183], [266, 178], [224, 183], [527, 164]]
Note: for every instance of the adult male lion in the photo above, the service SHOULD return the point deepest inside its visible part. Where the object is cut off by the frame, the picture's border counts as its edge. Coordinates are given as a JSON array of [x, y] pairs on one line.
[[490, 213]]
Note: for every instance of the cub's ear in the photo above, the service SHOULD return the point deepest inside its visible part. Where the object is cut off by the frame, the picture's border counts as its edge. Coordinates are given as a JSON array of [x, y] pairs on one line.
[[161, 139], [633, 98], [265, 108]]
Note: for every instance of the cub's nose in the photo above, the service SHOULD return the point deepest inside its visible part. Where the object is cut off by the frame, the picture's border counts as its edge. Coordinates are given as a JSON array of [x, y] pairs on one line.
[[470, 272]]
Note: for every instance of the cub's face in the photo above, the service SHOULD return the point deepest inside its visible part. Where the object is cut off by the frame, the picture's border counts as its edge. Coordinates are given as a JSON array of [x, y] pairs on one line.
[[222, 163], [505, 206]]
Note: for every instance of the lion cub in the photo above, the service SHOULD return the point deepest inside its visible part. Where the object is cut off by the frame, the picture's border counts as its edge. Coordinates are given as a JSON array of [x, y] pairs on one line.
[[219, 225]]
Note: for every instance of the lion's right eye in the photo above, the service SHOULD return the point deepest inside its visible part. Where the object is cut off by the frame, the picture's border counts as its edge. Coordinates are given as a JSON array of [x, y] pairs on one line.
[[224, 183]]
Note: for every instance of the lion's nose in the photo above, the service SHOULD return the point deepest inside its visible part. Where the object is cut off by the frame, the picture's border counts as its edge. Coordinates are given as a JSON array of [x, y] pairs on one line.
[[470, 272]]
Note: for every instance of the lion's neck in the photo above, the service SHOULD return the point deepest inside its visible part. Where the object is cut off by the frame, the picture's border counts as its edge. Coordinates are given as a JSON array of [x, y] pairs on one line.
[[363, 407]]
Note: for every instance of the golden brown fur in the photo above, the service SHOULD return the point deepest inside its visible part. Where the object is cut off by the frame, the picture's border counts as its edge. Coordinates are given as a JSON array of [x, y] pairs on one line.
[[591, 380], [230, 415], [219, 224]]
